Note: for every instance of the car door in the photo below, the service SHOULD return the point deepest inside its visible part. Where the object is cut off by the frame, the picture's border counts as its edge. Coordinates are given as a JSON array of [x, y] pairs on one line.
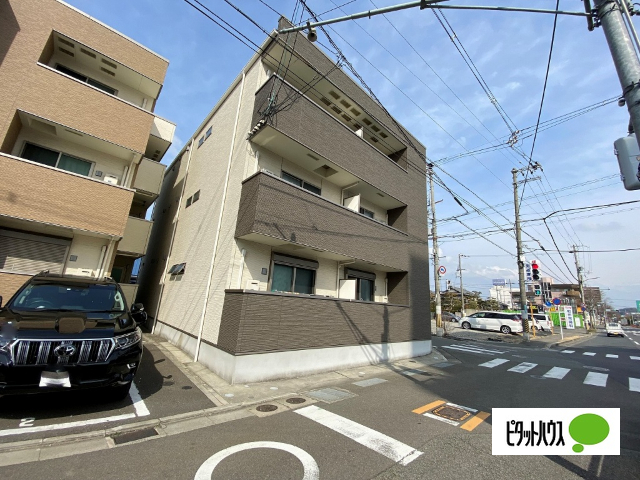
[[491, 321], [476, 319]]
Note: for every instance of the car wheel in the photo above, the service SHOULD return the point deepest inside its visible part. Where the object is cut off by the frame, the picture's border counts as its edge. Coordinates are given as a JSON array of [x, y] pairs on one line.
[[466, 325], [608, 334], [505, 329]]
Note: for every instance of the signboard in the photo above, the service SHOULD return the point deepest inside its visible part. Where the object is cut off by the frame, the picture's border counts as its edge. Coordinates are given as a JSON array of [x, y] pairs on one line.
[[527, 272], [638, 305], [501, 282], [568, 317], [442, 270], [556, 301]]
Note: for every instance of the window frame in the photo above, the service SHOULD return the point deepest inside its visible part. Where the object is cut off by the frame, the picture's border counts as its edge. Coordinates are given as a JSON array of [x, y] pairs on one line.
[[196, 197], [96, 84], [362, 211], [208, 132], [303, 183], [293, 277], [60, 153]]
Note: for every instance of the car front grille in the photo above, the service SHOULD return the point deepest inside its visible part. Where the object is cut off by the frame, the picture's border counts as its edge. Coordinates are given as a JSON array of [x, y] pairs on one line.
[[44, 352]]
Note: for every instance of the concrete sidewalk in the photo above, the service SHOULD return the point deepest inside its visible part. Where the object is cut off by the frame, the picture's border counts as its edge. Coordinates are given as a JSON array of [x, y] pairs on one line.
[[223, 393]]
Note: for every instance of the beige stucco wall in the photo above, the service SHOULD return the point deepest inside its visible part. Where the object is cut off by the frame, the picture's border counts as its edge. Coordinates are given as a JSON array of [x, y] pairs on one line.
[[87, 249]]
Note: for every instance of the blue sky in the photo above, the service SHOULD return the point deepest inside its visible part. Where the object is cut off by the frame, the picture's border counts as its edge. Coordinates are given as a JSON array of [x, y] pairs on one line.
[[427, 86]]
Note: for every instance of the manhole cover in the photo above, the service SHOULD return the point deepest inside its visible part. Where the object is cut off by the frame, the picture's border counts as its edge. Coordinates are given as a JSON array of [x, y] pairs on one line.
[[295, 400], [452, 413], [266, 408]]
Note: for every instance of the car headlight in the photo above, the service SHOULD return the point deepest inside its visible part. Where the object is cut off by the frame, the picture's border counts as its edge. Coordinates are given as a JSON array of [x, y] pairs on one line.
[[125, 341]]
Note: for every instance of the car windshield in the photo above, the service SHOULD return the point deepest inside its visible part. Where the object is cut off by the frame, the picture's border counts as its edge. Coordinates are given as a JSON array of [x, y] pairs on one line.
[[614, 325], [70, 298]]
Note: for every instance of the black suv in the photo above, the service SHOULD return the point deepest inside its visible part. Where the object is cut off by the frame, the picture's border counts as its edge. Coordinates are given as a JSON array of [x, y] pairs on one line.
[[61, 332]]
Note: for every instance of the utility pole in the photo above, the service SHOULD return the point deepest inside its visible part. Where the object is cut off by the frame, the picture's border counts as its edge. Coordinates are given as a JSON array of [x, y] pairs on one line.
[[461, 289], [580, 287], [436, 258], [625, 59], [523, 292]]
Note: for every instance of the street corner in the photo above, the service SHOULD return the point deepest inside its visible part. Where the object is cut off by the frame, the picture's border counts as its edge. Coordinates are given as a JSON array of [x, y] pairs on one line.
[[465, 418]]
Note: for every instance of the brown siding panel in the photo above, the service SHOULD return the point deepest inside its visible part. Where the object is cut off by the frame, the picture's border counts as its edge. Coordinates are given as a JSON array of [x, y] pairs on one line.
[[270, 206], [47, 195], [275, 323]]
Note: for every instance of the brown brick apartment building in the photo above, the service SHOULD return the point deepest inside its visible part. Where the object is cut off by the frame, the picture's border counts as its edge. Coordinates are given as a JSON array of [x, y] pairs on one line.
[[79, 144], [290, 234]]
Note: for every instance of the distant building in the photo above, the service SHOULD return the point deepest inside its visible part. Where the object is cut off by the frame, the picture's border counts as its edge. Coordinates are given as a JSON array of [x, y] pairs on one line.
[[79, 144]]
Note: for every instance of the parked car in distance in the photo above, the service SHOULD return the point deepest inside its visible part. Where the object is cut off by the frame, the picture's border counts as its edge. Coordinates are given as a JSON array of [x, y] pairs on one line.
[[498, 321], [62, 332], [614, 329], [542, 322], [450, 317]]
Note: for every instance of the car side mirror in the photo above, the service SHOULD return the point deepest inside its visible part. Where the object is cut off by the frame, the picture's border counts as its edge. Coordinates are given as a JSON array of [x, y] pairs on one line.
[[138, 313], [137, 307]]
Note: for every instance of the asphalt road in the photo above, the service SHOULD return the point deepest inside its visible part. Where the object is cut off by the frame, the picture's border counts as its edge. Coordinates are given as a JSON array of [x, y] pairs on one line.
[[363, 434]]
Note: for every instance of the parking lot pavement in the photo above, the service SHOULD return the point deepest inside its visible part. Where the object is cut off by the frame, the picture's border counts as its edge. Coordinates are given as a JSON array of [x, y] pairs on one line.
[[541, 339], [160, 389]]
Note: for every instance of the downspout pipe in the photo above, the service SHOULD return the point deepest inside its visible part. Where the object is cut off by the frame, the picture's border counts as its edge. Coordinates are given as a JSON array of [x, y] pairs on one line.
[[217, 238], [243, 254], [173, 236]]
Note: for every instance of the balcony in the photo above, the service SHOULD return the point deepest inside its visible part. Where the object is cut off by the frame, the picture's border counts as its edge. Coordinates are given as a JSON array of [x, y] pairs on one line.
[[43, 194], [148, 179], [310, 131], [69, 102], [136, 237], [160, 138], [259, 322], [273, 211]]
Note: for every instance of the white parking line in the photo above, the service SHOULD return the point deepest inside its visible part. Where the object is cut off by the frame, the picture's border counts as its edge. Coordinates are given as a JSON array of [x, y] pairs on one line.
[[610, 355], [636, 342], [61, 426], [597, 379], [634, 384], [493, 363], [523, 367], [589, 354], [557, 372], [634, 358], [376, 441], [568, 351], [138, 403]]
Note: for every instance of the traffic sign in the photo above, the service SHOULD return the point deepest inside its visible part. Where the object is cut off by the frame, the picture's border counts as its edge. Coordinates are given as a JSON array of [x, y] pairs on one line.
[[556, 301], [548, 304], [442, 270]]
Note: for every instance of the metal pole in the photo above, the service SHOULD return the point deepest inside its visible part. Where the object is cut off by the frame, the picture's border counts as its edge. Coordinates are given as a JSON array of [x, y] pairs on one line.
[[580, 287], [461, 289], [523, 292], [632, 28], [436, 259], [624, 56]]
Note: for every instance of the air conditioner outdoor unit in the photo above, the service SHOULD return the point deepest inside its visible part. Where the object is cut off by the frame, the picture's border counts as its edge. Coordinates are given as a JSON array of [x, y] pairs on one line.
[[112, 179]]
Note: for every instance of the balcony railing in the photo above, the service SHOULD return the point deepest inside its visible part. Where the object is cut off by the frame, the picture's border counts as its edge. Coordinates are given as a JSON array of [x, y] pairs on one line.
[[136, 237], [272, 208], [48, 195], [257, 322]]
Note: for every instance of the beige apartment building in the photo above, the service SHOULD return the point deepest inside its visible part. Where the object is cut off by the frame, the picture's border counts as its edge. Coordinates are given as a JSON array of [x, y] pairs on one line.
[[79, 144], [290, 235]]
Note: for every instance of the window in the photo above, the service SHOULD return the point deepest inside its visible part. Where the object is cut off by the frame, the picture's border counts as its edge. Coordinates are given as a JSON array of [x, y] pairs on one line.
[[292, 274], [287, 177], [208, 134], [177, 269], [201, 141], [366, 213], [196, 196], [56, 159], [87, 80], [365, 285], [189, 201]]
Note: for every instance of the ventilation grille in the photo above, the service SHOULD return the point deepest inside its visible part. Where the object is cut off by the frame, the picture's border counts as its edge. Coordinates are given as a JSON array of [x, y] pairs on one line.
[[67, 52], [325, 101], [345, 103], [383, 135], [346, 117], [336, 109], [355, 112], [334, 94], [374, 128], [366, 122], [111, 64], [74, 133], [113, 74], [87, 52], [66, 42]]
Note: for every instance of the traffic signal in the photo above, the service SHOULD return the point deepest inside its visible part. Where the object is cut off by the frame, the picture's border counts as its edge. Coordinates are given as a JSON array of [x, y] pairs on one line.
[[535, 271]]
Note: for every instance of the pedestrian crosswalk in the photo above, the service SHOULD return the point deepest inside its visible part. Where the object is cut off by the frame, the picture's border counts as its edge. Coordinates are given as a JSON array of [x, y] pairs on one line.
[[596, 379], [606, 355]]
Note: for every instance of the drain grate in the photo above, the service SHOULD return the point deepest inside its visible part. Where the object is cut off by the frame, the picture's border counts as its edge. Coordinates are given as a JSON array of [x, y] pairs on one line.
[[451, 413], [295, 400], [266, 408], [135, 435]]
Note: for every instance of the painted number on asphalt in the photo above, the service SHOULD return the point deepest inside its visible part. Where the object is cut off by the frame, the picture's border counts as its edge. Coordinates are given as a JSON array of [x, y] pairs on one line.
[[27, 422]]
